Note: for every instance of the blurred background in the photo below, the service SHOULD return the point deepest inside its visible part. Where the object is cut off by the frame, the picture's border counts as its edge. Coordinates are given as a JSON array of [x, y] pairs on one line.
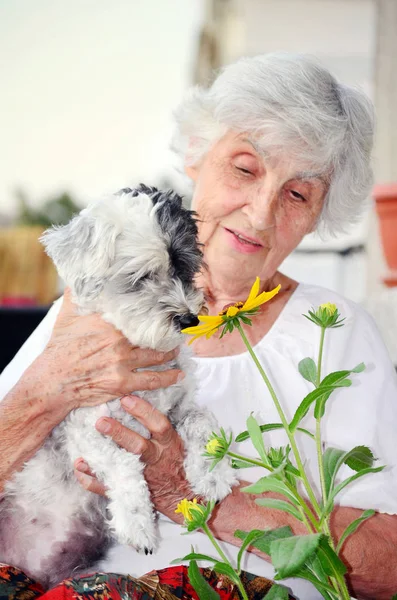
[[88, 91]]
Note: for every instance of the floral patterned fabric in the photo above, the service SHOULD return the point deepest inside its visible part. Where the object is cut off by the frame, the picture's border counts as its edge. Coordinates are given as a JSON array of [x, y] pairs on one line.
[[168, 584]]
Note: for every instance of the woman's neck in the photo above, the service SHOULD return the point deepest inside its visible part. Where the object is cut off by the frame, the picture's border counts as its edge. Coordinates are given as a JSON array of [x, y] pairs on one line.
[[267, 315], [221, 291]]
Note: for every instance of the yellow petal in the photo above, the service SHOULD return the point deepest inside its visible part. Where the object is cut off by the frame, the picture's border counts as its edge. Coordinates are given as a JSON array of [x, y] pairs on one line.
[[232, 311], [261, 299], [253, 293], [210, 319]]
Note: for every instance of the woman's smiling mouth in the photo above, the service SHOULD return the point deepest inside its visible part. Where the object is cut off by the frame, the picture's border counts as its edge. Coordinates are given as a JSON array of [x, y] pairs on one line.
[[242, 243]]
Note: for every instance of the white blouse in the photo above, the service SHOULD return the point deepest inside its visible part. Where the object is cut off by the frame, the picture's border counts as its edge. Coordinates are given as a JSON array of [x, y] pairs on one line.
[[364, 414]]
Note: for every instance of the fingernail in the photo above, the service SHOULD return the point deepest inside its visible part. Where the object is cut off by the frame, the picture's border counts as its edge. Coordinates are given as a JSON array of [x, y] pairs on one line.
[[82, 466], [181, 376], [103, 426], [128, 402]]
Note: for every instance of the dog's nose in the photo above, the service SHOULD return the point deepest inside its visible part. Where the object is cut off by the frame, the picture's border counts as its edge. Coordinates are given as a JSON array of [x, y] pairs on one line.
[[187, 320]]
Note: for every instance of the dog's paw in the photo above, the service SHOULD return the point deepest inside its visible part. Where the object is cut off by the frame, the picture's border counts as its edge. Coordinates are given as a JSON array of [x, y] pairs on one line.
[[139, 533]]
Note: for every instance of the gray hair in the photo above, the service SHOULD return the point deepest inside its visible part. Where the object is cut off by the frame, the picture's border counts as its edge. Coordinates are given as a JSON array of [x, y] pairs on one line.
[[289, 101]]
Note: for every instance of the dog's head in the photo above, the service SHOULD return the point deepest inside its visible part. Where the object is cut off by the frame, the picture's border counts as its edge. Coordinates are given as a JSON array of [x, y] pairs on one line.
[[133, 257]]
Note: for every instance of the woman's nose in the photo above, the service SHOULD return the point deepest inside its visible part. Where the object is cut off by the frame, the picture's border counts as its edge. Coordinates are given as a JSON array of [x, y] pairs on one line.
[[262, 210]]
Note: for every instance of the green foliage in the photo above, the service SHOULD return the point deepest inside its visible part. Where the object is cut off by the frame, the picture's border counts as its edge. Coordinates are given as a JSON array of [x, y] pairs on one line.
[[265, 538], [202, 588], [312, 557], [353, 526], [271, 484], [55, 211], [321, 394], [277, 592], [257, 439], [290, 554], [279, 505], [244, 435], [308, 370]]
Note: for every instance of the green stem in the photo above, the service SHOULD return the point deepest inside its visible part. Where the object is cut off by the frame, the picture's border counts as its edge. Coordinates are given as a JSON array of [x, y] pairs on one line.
[[252, 461], [304, 510], [320, 356], [319, 442], [215, 544], [284, 421], [223, 556]]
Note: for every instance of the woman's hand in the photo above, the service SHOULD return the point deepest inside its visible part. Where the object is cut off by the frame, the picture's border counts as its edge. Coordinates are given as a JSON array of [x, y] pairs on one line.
[[163, 455], [89, 362]]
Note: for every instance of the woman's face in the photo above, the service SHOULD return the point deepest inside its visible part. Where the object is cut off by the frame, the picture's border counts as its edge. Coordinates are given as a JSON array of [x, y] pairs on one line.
[[253, 210]]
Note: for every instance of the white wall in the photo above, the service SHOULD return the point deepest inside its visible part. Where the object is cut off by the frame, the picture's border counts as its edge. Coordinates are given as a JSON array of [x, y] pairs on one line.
[[87, 90]]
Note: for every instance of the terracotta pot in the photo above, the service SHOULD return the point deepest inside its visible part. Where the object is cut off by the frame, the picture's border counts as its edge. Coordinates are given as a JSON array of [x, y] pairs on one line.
[[386, 205]]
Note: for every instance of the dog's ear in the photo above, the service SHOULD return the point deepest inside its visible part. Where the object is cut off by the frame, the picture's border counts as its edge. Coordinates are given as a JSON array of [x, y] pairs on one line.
[[82, 252]]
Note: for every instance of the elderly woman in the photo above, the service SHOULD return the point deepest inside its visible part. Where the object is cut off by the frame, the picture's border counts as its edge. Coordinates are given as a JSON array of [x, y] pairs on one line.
[[276, 149]]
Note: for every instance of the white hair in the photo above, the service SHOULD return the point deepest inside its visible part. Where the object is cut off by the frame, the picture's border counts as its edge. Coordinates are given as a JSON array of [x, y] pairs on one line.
[[289, 101]]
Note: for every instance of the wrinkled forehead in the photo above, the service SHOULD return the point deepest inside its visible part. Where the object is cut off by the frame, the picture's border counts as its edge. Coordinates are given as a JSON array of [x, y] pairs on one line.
[[296, 161]]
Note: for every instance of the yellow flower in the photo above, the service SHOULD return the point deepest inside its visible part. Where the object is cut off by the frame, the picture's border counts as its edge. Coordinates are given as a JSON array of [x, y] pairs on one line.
[[330, 308], [210, 324], [212, 446], [185, 507]]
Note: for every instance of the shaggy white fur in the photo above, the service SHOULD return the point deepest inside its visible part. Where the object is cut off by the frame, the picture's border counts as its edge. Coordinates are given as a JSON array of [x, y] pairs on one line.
[[131, 257]]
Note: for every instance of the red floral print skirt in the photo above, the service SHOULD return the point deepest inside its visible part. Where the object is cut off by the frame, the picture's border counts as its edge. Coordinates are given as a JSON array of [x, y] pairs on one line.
[[167, 584]]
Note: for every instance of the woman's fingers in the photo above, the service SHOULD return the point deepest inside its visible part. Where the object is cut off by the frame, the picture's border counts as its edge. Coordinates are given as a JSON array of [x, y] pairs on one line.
[[150, 380], [150, 358], [151, 418], [87, 479], [128, 439]]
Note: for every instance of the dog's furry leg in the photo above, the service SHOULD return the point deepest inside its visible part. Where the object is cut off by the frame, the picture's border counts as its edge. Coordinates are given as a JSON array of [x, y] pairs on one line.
[[131, 514], [195, 425]]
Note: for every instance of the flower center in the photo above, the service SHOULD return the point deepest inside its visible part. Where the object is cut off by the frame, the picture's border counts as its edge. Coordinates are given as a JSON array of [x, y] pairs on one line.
[[231, 309]]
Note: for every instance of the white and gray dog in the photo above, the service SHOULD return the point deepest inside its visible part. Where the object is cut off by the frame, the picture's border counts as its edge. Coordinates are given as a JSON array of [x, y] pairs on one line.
[[131, 257]]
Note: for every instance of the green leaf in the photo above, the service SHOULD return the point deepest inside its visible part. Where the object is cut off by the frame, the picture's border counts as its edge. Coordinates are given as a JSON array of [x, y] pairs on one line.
[[325, 590], [330, 561], [346, 482], [352, 527], [277, 592], [225, 569], [270, 484], [241, 464], [290, 554], [304, 406], [194, 556], [202, 588], [360, 458], [308, 370], [319, 408], [257, 439], [263, 542], [332, 462], [244, 435], [279, 505], [255, 533]]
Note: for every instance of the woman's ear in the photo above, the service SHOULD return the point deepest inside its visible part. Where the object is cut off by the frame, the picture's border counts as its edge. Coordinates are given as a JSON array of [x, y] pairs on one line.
[[191, 171], [191, 166]]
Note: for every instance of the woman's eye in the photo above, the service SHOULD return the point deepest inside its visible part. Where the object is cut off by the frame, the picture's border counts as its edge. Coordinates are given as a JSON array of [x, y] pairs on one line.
[[297, 195], [245, 171]]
